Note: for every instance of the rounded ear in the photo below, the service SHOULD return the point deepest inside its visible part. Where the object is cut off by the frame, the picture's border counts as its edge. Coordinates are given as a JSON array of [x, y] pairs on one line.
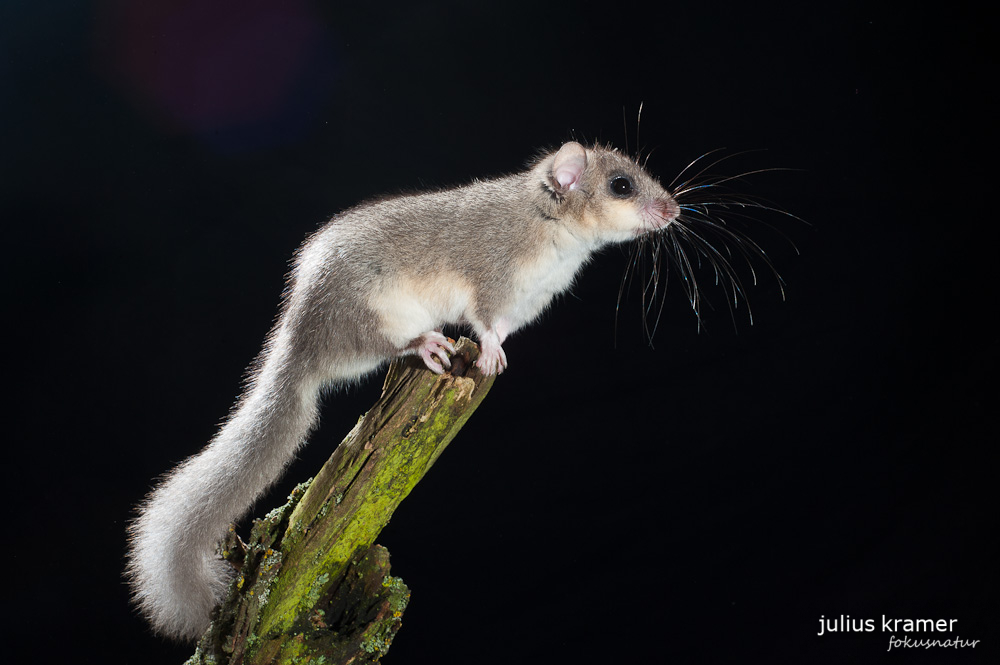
[[568, 167]]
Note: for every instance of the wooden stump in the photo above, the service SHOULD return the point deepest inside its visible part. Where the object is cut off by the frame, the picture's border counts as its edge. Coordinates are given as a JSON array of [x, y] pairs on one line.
[[312, 586]]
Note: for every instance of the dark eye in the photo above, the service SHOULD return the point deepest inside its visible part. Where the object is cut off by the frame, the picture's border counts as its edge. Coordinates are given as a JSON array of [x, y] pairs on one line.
[[621, 186]]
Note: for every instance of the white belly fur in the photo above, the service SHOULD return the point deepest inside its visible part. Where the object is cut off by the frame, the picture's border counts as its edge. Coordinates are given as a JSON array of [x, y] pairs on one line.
[[409, 307]]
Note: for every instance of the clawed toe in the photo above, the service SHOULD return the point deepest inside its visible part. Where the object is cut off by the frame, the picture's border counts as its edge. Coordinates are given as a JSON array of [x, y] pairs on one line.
[[434, 349], [492, 359]]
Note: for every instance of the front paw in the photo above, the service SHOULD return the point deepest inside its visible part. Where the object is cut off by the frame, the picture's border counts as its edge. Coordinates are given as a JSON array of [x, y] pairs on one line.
[[434, 349], [492, 359]]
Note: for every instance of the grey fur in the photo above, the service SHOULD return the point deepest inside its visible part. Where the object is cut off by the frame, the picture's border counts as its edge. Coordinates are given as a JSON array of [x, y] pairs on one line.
[[359, 288]]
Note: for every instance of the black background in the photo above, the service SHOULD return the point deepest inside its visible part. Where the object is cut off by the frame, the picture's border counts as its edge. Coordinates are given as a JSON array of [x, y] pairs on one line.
[[706, 500]]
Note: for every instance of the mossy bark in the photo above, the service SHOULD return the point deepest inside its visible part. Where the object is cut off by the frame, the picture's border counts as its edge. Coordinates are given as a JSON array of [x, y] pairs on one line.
[[312, 586]]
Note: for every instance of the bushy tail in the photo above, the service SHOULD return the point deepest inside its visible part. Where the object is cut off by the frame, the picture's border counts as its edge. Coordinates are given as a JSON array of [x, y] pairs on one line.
[[175, 574]]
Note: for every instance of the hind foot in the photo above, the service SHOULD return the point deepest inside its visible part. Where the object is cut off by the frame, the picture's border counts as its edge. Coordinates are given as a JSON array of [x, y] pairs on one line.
[[433, 348]]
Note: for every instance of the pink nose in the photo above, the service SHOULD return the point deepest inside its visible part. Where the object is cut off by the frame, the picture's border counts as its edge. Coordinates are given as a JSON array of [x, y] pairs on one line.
[[662, 211], [668, 209]]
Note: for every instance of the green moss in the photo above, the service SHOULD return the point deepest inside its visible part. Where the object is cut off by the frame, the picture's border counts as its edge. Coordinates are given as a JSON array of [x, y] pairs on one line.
[[396, 474]]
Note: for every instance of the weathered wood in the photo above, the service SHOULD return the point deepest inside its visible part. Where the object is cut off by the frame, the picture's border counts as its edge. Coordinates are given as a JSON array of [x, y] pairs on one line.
[[312, 586]]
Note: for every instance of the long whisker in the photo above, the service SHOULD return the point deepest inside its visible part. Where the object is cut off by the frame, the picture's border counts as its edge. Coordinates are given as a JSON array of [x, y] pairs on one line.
[[747, 202], [638, 122], [695, 161], [720, 180], [715, 163], [724, 271], [635, 252], [743, 241], [687, 274], [749, 249], [625, 124], [659, 312]]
